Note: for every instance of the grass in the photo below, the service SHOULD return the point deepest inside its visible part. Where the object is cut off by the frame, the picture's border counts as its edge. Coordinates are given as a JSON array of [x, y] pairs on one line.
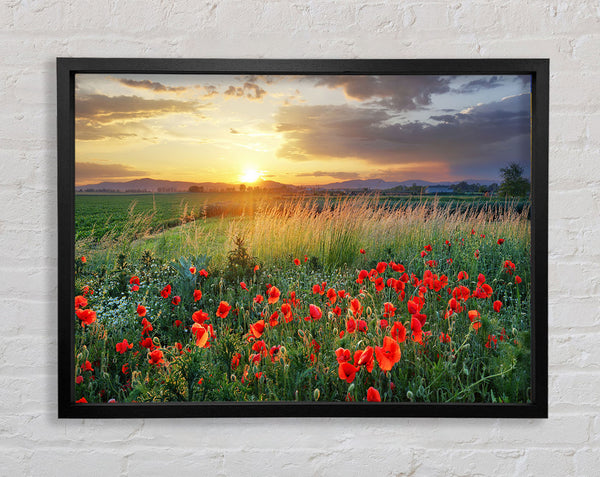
[[325, 235]]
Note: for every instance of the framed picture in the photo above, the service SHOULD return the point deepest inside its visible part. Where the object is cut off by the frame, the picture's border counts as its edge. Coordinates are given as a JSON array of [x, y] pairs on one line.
[[268, 238]]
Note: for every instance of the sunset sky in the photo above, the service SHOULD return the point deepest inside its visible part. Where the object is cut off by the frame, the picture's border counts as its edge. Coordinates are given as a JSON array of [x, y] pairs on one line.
[[299, 129]]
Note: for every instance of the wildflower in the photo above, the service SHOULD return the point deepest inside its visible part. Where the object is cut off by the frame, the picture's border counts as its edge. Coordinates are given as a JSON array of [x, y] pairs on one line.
[[342, 355], [398, 332], [203, 273], [80, 302], [223, 309], [388, 354], [192, 270], [365, 358], [497, 305], [381, 266], [244, 286], [274, 353], [83, 259], [200, 317], [423, 254], [256, 267], [176, 300], [201, 334], [491, 339], [87, 317], [286, 310], [274, 319], [273, 295], [445, 338], [500, 241], [463, 276], [362, 250], [356, 307], [362, 326], [156, 357], [177, 323], [315, 312], [296, 261], [332, 295], [147, 343], [125, 368], [350, 325], [197, 295], [123, 346], [347, 372], [235, 360], [428, 248], [79, 379], [141, 310], [258, 299], [82, 400], [147, 326], [379, 284], [166, 291], [258, 328], [373, 395], [518, 279], [474, 317], [87, 366]]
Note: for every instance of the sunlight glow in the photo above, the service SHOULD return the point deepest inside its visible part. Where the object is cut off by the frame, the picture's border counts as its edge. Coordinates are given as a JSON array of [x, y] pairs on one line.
[[250, 175]]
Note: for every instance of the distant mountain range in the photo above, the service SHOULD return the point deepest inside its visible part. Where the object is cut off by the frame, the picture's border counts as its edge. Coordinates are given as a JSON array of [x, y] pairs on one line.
[[159, 186]]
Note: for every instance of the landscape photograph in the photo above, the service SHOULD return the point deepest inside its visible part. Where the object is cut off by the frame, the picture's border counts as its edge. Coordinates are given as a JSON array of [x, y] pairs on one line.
[[302, 238]]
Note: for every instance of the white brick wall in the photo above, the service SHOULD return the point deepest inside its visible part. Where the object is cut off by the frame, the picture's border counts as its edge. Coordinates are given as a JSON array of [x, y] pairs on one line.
[[33, 442]]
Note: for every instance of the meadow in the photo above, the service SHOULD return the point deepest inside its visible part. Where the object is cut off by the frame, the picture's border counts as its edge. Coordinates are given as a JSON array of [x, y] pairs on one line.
[[252, 297]]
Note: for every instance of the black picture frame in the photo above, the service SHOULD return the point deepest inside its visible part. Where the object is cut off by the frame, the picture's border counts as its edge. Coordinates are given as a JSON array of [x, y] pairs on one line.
[[67, 68]]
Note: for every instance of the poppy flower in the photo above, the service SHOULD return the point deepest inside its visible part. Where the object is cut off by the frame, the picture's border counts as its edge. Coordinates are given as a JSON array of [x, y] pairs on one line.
[[373, 395], [203, 273], [381, 266], [423, 254], [125, 368], [192, 270], [87, 317], [388, 354], [166, 291], [389, 310], [257, 329], [463, 276], [199, 316], [177, 323], [332, 295], [274, 353], [81, 401], [256, 267], [223, 309], [481, 278], [235, 360], [258, 299], [398, 332], [135, 288], [497, 305], [362, 250], [197, 295], [147, 343], [134, 280], [362, 326], [123, 346], [356, 307], [156, 357], [379, 284], [296, 261], [474, 316], [347, 372], [147, 326], [350, 325], [87, 366], [315, 312], [445, 338], [80, 302], [201, 334], [518, 279], [141, 310], [500, 241], [176, 300], [397, 267], [491, 339], [342, 355], [428, 248], [244, 286], [286, 310], [364, 358], [273, 295], [83, 259], [274, 319], [476, 254]]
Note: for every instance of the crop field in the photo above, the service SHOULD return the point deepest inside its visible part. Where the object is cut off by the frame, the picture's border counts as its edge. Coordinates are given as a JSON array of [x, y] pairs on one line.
[[259, 297]]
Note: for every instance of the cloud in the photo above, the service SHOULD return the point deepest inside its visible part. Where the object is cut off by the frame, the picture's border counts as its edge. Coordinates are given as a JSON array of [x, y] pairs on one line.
[[151, 85], [474, 142], [210, 91], [92, 171], [486, 82], [400, 93], [342, 175], [98, 116], [249, 90]]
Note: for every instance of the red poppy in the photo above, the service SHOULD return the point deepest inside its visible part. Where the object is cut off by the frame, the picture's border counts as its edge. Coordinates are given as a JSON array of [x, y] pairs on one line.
[[296, 261], [389, 310], [192, 270], [332, 295], [147, 326], [197, 295], [235, 360], [80, 302], [476, 254], [381, 266], [83, 259], [491, 339], [286, 310], [497, 305], [223, 309], [86, 289], [423, 254], [474, 317], [365, 358], [428, 248], [203, 272], [315, 312], [177, 323], [87, 317], [373, 395], [362, 250], [388, 354], [342, 355], [361, 276], [509, 267], [274, 353], [201, 334], [518, 279], [141, 310], [156, 357], [273, 295], [87, 366], [379, 284], [166, 291], [347, 372], [125, 368], [134, 280], [258, 328], [147, 343], [398, 332], [274, 319], [176, 300], [415, 304], [258, 299], [199, 316], [123, 346], [463, 276], [356, 307], [397, 267], [350, 325], [500, 241], [362, 326], [135, 288], [445, 338], [82, 400], [337, 311]]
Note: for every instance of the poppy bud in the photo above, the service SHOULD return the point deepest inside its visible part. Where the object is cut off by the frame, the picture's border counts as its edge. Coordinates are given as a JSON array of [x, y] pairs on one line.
[[316, 394], [410, 395]]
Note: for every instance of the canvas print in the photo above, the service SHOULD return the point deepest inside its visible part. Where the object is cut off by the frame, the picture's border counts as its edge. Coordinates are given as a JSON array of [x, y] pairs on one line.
[[302, 238]]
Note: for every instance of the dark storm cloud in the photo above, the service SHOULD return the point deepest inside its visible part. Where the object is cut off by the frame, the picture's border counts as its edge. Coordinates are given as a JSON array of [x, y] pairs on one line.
[[400, 93], [342, 175], [86, 171], [99, 116], [474, 142], [248, 90], [151, 85], [480, 83]]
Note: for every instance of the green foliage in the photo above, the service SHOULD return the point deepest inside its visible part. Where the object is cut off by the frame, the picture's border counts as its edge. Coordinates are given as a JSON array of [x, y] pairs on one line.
[[240, 264], [513, 184]]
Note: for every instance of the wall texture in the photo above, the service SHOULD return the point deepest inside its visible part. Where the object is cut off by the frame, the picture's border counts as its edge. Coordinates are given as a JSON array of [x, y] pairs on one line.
[[33, 33]]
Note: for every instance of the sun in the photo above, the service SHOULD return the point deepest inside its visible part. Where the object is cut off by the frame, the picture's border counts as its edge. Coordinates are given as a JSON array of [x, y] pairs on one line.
[[250, 175]]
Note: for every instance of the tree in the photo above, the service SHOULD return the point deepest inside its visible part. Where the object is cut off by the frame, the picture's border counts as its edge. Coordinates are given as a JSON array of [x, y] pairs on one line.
[[513, 184], [242, 187]]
